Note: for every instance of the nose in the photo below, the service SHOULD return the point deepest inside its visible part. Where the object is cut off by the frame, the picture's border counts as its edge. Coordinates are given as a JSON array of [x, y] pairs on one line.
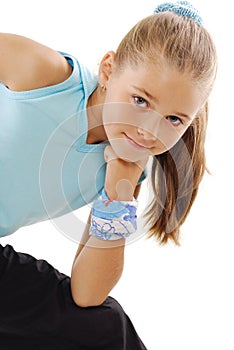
[[149, 125], [146, 135]]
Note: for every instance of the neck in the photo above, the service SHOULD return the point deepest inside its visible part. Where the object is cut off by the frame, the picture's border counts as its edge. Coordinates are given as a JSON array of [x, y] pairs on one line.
[[96, 131]]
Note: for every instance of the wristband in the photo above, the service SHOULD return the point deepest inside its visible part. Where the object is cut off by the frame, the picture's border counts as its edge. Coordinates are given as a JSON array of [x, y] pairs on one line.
[[111, 219]]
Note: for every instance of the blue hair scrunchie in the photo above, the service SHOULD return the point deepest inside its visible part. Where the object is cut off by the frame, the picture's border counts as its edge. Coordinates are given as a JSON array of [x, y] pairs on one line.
[[181, 8]]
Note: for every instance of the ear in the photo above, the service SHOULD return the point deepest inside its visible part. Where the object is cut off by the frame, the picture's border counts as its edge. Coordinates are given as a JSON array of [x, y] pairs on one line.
[[106, 67]]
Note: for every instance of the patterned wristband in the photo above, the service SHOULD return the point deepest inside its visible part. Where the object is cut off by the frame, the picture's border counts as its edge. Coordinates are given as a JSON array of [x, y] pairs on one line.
[[111, 219]]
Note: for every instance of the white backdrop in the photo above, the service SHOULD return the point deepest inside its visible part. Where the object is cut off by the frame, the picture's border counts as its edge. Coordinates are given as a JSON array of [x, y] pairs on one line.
[[178, 298]]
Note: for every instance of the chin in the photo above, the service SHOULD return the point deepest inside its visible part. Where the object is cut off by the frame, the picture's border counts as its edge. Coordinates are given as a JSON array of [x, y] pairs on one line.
[[126, 152], [130, 157]]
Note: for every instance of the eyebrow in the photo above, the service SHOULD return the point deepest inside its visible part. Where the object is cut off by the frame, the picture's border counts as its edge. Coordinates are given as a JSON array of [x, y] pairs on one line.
[[146, 93], [153, 98]]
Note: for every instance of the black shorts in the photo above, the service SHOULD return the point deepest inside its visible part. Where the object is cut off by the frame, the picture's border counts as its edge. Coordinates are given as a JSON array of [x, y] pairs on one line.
[[37, 311]]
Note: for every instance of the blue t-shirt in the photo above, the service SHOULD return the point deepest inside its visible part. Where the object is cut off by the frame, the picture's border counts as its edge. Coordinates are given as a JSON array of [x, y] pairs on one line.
[[46, 167]]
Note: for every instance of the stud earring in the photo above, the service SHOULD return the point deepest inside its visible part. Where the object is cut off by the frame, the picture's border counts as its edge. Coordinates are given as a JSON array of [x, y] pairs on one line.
[[103, 88]]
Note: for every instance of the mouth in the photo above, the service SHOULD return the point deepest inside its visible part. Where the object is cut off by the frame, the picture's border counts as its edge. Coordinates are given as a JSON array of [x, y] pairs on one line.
[[135, 144]]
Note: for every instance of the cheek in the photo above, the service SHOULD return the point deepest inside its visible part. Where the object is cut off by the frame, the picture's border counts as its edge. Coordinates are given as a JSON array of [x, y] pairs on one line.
[[112, 131], [167, 137], [115, 113], [158, 149], [168, 134]]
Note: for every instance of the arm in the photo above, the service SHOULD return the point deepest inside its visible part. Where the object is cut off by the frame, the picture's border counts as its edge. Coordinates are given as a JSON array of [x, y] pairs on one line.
[[96, 271], [97, 267], [26, 64], [99, 264], [85, 237]]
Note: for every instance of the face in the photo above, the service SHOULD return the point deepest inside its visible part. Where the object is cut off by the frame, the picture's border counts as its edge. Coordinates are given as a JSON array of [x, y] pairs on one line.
[[147, 109]]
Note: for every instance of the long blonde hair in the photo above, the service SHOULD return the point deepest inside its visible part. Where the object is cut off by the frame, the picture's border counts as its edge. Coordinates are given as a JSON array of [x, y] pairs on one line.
[[177, 173]]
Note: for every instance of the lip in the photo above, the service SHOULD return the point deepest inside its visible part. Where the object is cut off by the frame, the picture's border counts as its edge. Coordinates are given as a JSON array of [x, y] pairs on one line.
[[134, 143]]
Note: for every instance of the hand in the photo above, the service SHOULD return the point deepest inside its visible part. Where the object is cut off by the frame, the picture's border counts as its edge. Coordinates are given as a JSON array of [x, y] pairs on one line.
[[121, 176]]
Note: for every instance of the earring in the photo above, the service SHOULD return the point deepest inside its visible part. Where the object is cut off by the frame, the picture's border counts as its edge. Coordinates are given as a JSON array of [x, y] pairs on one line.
[[103, 88]]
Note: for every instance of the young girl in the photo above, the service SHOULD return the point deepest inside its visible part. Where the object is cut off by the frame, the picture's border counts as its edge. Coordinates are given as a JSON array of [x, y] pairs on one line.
[[68, 137]]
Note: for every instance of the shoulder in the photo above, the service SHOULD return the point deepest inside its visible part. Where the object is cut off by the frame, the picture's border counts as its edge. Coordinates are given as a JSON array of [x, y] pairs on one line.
[[26, 64]]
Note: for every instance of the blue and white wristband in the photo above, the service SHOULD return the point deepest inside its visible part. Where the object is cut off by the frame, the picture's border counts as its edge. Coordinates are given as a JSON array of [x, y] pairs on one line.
[[111, 219]]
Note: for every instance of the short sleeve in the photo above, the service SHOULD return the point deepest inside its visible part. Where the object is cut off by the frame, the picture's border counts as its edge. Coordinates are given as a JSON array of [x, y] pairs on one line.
[[143, 176]]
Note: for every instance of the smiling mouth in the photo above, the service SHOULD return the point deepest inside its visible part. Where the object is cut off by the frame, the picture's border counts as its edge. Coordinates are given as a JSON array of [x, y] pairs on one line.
[[135, 144]]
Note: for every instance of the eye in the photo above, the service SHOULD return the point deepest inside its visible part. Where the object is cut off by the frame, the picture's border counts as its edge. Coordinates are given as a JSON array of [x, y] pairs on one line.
[[140, 101], [174, 120]]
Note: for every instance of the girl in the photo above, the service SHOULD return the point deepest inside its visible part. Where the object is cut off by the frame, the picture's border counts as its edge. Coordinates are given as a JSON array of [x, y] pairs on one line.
[[59, 124]]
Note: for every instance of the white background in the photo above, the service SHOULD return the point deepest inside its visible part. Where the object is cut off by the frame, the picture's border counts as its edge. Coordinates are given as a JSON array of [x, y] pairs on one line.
[[178, 298]]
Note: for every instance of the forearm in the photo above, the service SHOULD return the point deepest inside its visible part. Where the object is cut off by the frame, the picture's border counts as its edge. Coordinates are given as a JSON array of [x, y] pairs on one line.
[[96, 270], [97, 267], [85, 237]]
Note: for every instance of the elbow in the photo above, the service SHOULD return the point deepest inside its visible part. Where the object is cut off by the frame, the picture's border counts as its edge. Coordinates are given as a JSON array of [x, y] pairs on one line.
[[84, 296], [88, 302]]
